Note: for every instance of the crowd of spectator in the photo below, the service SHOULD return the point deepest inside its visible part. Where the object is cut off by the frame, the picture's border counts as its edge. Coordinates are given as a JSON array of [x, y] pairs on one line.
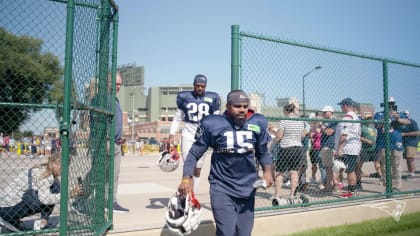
[[341, 146], [36, 146]]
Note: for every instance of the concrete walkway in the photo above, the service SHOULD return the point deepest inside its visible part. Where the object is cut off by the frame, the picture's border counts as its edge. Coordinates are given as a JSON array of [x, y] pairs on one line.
[[145, 190]]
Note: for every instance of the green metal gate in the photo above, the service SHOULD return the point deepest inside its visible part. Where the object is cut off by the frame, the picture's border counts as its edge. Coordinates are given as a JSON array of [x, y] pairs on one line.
[[57, 87]]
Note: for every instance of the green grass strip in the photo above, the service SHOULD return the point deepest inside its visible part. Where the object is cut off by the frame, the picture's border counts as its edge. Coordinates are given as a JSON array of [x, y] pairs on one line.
[[409, 224]]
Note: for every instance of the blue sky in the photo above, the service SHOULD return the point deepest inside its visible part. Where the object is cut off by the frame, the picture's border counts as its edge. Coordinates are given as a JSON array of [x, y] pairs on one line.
[[174, 40]]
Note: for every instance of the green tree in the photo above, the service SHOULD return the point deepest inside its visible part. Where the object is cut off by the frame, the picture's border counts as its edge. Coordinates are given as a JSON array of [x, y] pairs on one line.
[[27, 76], [28, 133]]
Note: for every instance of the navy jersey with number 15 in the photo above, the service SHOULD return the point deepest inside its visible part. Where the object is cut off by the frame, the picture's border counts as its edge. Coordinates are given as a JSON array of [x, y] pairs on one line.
[[233, 168]]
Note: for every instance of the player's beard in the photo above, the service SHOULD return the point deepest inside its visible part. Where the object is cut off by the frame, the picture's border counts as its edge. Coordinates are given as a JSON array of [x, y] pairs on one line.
[[240, 119]]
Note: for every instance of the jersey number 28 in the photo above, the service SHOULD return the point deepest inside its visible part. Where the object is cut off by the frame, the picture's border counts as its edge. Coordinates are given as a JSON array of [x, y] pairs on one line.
[[197, 111]]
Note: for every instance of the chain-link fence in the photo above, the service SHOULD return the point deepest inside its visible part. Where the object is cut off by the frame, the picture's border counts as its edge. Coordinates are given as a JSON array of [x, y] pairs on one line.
[[315, 79], [57, 59]]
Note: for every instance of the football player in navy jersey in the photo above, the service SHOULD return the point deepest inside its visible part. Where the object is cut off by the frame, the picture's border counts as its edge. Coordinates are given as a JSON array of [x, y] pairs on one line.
[[236, 137], [192, 107]]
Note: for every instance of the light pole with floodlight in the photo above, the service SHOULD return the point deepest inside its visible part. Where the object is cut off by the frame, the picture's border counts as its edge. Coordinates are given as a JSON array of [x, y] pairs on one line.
[[132, 117], [303, 87]]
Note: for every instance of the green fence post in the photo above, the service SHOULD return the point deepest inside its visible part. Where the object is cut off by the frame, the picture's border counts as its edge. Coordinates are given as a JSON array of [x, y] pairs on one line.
[[114, 72], [388, 176], [104, 100], [235, 66], [64, 126]]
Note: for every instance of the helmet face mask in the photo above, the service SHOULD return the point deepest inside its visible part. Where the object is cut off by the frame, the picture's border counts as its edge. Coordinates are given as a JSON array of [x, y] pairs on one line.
[[183, 214], [169, 161]]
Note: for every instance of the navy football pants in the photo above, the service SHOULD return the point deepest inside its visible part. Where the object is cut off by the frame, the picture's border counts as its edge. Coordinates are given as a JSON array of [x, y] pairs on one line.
[[233, 216]]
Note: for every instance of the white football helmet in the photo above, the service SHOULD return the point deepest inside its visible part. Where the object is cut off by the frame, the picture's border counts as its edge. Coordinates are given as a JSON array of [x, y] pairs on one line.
[[168, 161], [183, 214], [338, 165]]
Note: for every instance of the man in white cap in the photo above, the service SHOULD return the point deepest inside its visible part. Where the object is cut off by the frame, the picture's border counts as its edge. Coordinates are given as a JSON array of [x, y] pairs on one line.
[[407, 127], [327, 147]]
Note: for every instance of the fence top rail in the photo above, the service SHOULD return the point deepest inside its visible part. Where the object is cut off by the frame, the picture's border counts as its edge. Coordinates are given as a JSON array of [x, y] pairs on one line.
[[321, 48], [95, 6]]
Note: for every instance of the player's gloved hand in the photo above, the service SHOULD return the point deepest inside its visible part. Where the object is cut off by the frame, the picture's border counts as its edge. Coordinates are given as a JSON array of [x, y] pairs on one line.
[[171, 141], [185, 186]]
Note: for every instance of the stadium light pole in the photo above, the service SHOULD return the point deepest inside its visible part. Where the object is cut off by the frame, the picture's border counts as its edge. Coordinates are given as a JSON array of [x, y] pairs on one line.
[[303, 87], [132, 117]]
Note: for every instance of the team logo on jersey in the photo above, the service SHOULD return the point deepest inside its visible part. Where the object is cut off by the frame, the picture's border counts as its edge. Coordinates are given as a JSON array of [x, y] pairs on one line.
[[207, 99], [254, 128]]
